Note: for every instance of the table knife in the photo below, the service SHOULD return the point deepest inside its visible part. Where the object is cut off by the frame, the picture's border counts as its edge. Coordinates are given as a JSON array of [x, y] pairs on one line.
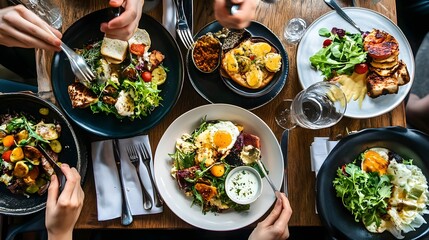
[[126, 216], [284, 142]]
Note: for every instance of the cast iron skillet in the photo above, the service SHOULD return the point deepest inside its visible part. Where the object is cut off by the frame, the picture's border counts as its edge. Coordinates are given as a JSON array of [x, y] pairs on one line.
[[73, 152], [87, 30], [409, 143]]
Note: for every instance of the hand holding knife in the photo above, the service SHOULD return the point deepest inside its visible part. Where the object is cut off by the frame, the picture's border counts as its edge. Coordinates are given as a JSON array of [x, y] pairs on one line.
[[126, 216]]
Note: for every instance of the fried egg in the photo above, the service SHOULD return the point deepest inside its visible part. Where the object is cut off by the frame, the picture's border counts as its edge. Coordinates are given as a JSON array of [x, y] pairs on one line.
[[375, 160], [273, 62], [254, 77], [260, 49], [220, 136]]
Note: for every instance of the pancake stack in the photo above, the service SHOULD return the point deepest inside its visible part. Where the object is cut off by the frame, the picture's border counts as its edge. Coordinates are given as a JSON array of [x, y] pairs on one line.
[[386, 71]]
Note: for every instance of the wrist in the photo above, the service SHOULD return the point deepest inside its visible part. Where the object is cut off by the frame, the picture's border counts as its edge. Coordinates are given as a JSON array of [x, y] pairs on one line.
[[60, 236]]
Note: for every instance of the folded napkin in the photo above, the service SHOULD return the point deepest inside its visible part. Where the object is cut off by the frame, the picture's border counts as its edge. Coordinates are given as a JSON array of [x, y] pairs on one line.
[[319, 150], [169, 16], [107, 184]]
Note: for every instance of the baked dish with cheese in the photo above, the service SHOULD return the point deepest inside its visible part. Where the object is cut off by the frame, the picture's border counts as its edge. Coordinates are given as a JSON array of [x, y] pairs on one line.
[[252, 64]]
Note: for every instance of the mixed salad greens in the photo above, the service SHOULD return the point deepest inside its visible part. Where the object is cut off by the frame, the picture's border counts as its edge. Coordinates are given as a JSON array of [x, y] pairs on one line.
[[394, 198], [135, 83], [203, 159], [341, 51]]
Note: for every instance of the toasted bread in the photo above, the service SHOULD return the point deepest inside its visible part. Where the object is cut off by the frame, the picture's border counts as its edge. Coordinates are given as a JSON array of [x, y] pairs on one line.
[[114, 50], [378, 85], [246, 64]]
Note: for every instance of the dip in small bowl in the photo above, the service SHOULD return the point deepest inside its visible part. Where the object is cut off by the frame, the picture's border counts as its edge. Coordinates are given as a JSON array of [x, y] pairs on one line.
[[243, 185]]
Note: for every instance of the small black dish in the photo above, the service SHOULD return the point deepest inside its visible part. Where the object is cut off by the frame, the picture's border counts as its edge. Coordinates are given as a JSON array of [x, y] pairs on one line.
[[248, 92]]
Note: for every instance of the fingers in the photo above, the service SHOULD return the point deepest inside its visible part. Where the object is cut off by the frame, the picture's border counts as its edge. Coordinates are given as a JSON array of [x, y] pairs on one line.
[[274, 214], [53, 192], [115, 3], [20, 23], [70, 183]]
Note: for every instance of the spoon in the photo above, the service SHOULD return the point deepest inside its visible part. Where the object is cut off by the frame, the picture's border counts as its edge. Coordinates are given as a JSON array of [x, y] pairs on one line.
[[261, 166]]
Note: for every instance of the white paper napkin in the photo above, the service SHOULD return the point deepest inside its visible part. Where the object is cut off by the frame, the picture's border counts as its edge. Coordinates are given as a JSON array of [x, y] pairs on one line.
[[107, 184], [319, 150], [169, 16]]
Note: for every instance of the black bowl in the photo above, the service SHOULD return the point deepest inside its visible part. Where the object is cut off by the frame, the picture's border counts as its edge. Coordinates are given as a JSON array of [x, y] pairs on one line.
[[410, 144], [73, 152], [87, 30]]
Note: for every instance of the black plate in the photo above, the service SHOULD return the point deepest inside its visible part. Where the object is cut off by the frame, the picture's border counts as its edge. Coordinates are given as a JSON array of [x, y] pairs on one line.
[[73, 152], [212, 88], [87, 30], [408, 143]]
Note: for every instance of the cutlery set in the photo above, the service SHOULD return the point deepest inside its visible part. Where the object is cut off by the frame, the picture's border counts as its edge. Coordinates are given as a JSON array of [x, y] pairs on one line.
[[136, 153]]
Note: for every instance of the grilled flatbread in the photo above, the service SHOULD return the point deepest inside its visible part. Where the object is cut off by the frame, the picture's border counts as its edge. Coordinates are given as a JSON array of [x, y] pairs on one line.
[[252, 64], [81, 96]]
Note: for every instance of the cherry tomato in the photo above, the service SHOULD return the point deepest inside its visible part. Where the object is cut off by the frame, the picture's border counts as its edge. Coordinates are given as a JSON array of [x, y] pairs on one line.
[[252, 57], [137, 49], [327, 42], [361, 68], [147, 76], [6, 155]]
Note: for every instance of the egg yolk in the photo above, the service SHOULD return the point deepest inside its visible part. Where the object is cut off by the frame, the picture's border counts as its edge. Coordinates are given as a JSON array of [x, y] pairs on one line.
[[222, 139], [374, 162]]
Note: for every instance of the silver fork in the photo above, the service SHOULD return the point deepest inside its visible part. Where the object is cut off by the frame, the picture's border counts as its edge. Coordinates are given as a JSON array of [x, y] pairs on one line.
[[135, 160], [146, 160], [182, 27]]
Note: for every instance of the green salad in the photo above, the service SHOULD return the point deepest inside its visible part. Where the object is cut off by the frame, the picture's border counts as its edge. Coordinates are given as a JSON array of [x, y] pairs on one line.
[[340, 53]]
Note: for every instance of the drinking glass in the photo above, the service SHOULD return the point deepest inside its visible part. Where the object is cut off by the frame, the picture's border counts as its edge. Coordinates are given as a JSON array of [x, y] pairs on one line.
[[294, 30], [45, 9], [321, 105]]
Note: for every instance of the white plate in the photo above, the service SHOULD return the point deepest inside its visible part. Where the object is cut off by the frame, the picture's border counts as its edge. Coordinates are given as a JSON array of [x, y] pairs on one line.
[[176, 199], [367, 20]]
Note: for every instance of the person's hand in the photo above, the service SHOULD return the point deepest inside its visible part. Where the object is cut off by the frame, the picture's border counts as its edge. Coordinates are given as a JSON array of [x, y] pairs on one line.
[[241, 18], [20, 27], [275, 225], [63, 211], [124, 26]]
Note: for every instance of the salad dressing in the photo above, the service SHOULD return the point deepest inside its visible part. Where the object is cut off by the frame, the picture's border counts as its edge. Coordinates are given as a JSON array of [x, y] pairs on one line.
[[242, 186]]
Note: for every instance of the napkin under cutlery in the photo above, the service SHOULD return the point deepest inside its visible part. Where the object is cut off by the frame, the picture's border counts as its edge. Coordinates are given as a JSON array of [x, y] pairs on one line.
[[319, 150], [169, 16], [107, 184]]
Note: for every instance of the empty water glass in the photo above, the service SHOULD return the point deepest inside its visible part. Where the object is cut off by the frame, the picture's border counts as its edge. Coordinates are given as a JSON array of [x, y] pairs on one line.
[[45, 9], [294, 30], [321, 105]]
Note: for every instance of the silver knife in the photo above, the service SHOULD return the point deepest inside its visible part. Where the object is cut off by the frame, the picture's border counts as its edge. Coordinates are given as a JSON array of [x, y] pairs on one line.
[[126, 216], [284, 142]]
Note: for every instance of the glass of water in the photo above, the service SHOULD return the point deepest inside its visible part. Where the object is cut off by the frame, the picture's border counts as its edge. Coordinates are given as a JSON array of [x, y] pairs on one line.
[[294, 30], [45, 9], [321, 105]]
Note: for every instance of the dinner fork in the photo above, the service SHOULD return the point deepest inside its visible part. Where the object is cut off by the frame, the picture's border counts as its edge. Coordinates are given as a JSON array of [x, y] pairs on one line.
[[57, 169], [146, 160], [135, 160], [182, 27]]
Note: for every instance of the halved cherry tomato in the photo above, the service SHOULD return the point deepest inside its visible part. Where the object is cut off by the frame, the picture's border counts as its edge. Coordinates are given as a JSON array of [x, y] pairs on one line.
[[137, 49], [361, 68], [252, 57], [147, 76], [327, 42], [6, 155]]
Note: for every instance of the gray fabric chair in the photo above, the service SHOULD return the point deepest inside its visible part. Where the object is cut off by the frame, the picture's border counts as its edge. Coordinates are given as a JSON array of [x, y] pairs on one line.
[[421, 79]]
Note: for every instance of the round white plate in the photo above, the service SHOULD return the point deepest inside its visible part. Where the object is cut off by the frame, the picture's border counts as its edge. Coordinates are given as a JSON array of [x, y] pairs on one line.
[[175, 198], [367, 20]]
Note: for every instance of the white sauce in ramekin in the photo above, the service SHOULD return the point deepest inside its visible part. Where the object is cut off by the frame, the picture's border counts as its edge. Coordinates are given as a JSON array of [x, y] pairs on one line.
[[243, 185]]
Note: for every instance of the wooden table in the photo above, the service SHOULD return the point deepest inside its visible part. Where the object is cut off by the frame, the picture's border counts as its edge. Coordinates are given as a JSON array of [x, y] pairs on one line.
[[300, 177]]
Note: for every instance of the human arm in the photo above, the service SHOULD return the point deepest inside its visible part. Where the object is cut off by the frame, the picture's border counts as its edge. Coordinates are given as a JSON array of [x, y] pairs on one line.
[[63, 210], [20, 27], [238, 20], [124, 26], [275, 225]]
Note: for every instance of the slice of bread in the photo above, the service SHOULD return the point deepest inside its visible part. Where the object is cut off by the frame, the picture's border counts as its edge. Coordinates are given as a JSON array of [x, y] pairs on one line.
[[114, 50]]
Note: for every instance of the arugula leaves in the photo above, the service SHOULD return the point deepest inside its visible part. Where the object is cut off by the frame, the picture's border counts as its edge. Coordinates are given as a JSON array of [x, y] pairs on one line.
[[364, 194], [341, 55]]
